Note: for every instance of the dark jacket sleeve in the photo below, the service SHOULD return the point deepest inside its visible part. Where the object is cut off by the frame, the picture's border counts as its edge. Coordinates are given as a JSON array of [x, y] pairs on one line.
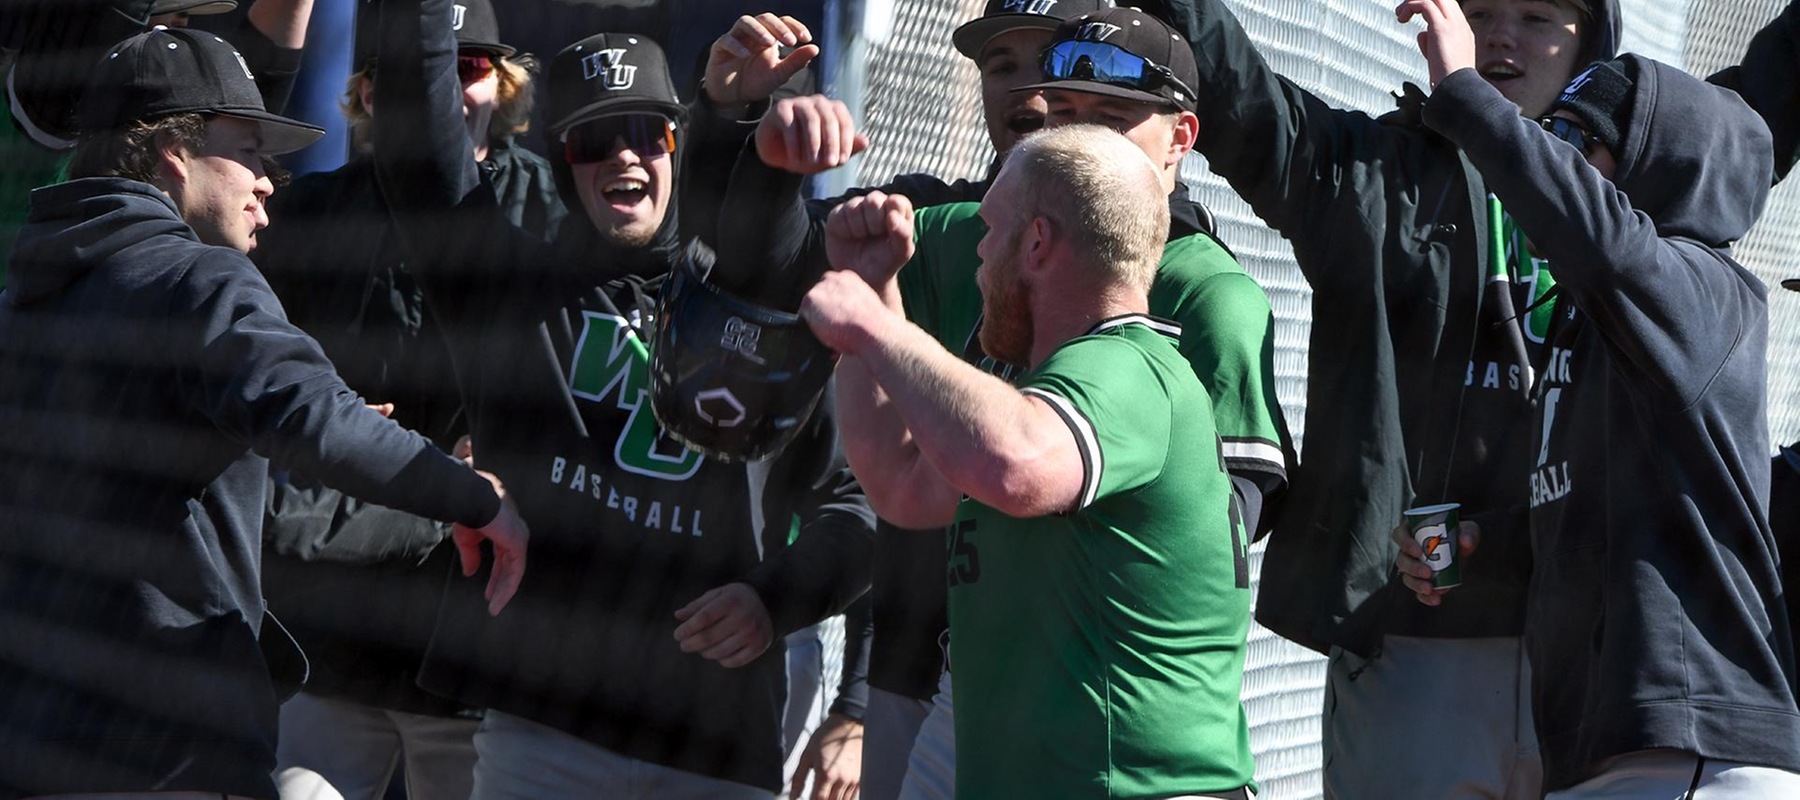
[[771, 249], [1291, 156], [709, 156], [827, 566], [275, 67], [266, 383], [1607, 254], [853, 686], [923, 190], [1769, 80], [313, 522], [421, 151]]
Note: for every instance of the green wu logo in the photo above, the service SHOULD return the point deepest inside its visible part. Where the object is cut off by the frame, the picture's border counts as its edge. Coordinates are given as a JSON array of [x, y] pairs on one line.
[[613, 366]]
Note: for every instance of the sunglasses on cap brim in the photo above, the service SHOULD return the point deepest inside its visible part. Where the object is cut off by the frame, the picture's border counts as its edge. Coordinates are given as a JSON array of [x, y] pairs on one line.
[[1570, 132], [1109, 64], [597, 139]]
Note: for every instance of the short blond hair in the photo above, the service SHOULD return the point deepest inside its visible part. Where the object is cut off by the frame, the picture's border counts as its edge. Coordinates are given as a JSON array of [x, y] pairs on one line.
[[1101, 191], [512, 109]]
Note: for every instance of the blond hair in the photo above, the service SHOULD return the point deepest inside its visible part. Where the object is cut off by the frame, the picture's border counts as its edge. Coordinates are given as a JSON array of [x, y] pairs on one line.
[[1101, 192]]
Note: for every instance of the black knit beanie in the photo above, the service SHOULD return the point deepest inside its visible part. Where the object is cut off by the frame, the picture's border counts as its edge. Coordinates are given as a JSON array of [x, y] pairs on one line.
[[1601, 97]]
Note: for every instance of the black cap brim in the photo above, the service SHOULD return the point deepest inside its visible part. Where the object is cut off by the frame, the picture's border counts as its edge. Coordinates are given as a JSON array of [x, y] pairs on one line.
[[973, 35], [280, 135], [1107, 89], [623, 105], [1791, 284], [194, 8], [487, 48]]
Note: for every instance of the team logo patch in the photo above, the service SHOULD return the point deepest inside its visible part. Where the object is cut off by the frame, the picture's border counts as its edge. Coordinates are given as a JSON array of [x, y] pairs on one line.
[[742, 337], [609, 66], [1096, 31], [1576, 85]]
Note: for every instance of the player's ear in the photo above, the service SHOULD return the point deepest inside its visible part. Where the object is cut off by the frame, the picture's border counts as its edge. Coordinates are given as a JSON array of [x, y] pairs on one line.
[[172, 162], [1187, 131], [1039, 238]]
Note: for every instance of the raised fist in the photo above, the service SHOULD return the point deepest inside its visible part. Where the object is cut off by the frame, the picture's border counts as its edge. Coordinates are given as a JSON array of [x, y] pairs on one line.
[[871, 235], [806, 135]]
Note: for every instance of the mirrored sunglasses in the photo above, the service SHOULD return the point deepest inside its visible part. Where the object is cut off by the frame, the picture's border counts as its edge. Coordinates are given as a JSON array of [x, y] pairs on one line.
[[1109, 64], [1571, 132], [595, 140]]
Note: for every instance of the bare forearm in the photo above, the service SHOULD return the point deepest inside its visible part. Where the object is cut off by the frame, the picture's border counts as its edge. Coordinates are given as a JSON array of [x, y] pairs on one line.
[[981, 435], [902, 487], [283, 21]]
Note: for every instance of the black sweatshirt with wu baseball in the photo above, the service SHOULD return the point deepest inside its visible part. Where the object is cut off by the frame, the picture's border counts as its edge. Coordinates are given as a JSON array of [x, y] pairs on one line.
[[627, 525], [147, 381], [1654, 618]]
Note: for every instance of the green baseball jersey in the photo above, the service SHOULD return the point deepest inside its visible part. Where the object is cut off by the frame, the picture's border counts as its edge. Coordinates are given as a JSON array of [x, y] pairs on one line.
[[1227, 328], [1100, 653]]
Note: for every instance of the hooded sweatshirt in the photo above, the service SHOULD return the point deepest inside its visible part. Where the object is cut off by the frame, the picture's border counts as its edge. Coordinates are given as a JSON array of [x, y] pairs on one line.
[[146, 383], [1391, 227], [1655, 616], [627, 525]]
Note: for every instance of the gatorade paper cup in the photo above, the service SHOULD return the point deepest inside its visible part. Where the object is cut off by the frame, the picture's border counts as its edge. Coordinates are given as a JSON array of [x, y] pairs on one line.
[[1435, 529]]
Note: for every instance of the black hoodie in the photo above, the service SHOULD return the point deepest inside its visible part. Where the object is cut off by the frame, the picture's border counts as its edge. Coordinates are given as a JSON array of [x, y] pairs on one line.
[[1655, 618], [144, 378]]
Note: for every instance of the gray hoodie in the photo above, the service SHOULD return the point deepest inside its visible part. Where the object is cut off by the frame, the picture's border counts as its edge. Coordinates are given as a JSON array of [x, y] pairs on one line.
[[1655, 617]]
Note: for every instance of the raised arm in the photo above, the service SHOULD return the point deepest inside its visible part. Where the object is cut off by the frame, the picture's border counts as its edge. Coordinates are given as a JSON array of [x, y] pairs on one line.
[[1769, 80], [921, 426], [770, 249], [1288, 154], [422, 153], [1610, 256]]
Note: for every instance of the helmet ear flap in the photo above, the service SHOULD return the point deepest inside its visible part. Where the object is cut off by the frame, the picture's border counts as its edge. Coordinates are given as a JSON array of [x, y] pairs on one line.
[[729, 378]]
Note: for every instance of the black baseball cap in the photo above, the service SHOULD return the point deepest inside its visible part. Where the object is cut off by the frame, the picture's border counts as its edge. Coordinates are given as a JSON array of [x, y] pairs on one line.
[[174, 71], [1172, 73], [192, 7], [477, 30], [610, 73], [1005, 16]]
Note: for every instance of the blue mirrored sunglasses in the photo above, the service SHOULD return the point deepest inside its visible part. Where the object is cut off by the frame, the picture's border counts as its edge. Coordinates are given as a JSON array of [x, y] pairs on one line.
[[1571, 132], [1109, 64]]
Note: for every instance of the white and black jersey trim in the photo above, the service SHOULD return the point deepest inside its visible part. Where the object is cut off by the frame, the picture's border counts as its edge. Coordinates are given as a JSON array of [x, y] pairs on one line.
[[1086, 440], [1162, 326], [1261, 455]]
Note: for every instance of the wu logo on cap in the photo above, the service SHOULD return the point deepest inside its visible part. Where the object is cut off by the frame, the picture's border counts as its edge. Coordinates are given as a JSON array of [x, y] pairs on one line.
[[1040, 7], [1096, 31], [1569, 92], [456, 19], [610, 67]]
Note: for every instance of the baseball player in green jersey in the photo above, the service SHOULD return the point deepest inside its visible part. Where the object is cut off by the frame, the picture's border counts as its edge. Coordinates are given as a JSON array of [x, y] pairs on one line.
[[1098, 599]]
